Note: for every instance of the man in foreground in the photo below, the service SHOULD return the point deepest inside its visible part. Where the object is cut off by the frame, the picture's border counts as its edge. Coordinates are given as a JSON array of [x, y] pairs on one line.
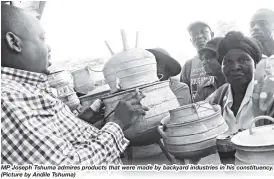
[[37, 128]]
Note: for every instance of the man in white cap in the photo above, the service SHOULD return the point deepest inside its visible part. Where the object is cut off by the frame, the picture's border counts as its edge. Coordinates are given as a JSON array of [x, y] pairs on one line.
[[193, 73]]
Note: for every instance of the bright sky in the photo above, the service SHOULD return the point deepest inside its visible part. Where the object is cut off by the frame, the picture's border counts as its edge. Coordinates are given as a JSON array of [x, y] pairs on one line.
[[79, 28]]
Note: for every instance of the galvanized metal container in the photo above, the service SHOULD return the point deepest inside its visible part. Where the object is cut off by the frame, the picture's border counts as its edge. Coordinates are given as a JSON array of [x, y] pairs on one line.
[[83, 82], [129, 69], [159, 98], [60, 78], [191, 134], [255, 145]]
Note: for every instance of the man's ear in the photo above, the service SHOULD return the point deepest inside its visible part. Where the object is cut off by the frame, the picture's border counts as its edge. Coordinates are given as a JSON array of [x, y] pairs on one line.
[[14, 42], [212, 34]]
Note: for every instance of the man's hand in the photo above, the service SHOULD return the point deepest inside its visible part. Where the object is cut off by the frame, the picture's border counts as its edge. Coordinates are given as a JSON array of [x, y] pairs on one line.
[[129, 109], [94, 113]]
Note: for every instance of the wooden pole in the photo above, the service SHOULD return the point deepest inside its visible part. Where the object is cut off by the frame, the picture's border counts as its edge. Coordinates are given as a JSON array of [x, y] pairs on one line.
[[109, 48], [137, 40], [41, 8], [124, 39]]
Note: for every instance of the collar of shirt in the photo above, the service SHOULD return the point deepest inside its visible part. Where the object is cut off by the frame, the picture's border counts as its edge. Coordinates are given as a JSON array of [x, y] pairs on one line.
[[266, 57], [39, 80], [245, 112], [247, 97], [271, 57]]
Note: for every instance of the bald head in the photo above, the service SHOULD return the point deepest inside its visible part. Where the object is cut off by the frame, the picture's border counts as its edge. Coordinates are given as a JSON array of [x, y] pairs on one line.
[[23, 41], [15, 20]]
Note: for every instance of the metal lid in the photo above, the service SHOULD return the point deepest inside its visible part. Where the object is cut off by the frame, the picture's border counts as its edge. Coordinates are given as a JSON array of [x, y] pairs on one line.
[[256, 137]]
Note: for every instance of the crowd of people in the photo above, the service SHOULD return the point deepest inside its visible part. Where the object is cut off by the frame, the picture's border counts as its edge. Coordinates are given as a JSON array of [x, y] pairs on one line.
[[234, 71]]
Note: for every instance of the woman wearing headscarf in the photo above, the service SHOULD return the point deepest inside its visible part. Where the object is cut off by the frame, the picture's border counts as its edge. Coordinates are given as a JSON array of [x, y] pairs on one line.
[[242, 98]]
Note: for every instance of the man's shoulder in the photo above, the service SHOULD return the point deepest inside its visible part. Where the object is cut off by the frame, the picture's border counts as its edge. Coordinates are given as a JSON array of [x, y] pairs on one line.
[[188, 63], [14, 92], [194, 58], [13, 87], [9, 86]]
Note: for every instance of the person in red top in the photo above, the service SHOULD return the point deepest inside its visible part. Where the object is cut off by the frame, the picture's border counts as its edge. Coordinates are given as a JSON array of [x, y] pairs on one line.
[[38, 128]]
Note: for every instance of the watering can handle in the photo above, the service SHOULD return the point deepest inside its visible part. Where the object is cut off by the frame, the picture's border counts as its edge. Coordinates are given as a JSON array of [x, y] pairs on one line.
[[162, 76], [256, 119], [161, 131]]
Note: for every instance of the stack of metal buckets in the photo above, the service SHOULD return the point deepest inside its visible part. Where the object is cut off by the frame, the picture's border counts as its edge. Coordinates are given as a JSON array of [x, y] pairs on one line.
[[62, 82], [136, 68]]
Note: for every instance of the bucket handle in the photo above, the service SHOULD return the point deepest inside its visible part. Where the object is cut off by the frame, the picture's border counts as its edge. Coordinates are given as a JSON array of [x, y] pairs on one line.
[[161, 131], [118, 84], [197, 105], [180, 97], [89, 69], [162, 76], [256, 119]]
